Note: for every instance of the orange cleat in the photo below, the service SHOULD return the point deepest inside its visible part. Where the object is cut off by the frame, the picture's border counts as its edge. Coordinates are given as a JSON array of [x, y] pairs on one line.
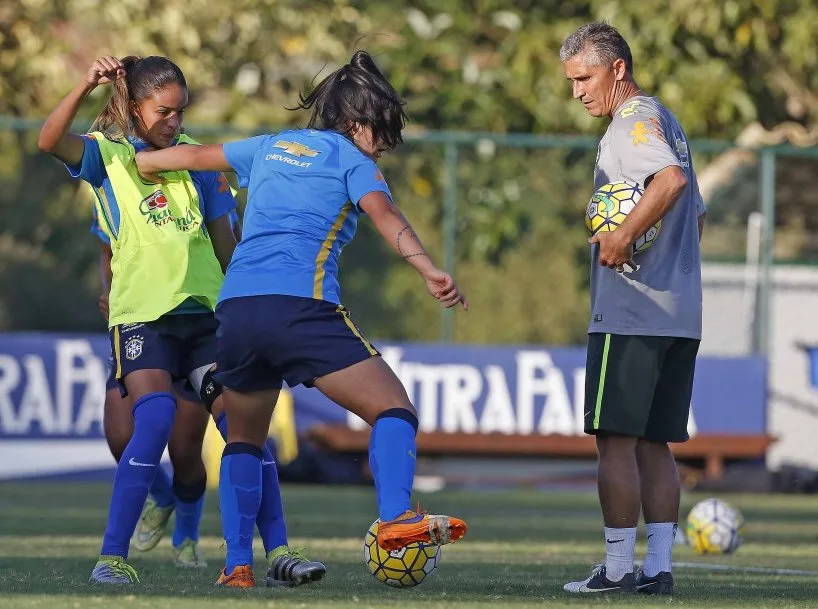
[[411, 527], [241, 577]]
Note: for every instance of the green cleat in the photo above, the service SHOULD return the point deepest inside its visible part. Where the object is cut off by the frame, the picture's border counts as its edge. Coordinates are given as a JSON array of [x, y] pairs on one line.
[[151, 525], [113, 570], [188, 556], [289, 567]]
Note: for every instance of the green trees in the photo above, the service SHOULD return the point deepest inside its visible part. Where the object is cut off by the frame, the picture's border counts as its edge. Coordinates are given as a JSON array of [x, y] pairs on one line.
[[478, 65]]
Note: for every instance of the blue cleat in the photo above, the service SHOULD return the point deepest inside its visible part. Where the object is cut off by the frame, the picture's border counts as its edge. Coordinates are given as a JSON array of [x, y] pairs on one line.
[[113, 570]]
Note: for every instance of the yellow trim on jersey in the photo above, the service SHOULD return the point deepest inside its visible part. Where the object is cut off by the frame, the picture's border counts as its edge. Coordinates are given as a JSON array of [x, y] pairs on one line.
[[345, 314], [117, 355], [326, 248]]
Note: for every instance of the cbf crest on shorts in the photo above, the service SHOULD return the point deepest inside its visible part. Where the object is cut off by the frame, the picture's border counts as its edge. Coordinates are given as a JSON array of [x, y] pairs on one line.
[[133, 347]]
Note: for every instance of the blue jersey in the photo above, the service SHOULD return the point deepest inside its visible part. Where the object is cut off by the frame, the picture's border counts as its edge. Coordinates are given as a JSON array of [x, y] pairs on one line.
[[96, 229], [302, 209]]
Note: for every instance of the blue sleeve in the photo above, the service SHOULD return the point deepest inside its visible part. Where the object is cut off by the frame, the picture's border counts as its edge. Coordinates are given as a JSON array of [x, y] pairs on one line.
[[91, 169], [218, 200], [240, 155], [96, 229], [363, 179]]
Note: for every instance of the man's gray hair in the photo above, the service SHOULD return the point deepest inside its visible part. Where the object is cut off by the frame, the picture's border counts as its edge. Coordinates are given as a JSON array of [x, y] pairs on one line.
[[603, 43]]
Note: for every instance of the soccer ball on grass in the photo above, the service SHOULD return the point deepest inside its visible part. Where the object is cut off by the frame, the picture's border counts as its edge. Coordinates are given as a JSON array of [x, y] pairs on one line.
[[402, 568], [714, 527]]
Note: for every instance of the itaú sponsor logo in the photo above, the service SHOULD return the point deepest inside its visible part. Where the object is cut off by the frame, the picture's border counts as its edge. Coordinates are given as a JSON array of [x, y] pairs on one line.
[[531, 396], [59, 391]]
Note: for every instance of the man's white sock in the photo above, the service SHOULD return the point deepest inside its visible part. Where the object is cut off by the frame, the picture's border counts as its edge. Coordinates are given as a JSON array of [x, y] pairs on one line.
[[661, 536], [619, 545]]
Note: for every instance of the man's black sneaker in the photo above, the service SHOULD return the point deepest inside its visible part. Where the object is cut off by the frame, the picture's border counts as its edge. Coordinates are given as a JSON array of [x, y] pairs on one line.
[[598, 582], [661, 583]]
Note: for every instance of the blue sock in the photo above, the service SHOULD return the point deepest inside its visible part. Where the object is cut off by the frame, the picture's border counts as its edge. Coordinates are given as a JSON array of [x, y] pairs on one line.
[[136, 470], [161, 489], [392, 456], [270, 520], [189, 504], [239, 500]]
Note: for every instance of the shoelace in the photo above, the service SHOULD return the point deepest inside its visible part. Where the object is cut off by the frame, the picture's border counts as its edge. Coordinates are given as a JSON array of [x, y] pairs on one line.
[[417, 512], [297, 553], [123, 569]]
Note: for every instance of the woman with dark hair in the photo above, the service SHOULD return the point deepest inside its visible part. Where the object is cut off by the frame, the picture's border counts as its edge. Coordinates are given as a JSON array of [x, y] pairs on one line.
[[279, 311], [170, 244]]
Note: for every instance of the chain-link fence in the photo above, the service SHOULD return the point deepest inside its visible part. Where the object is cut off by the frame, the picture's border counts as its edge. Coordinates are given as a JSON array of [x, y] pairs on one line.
[[504, 211]]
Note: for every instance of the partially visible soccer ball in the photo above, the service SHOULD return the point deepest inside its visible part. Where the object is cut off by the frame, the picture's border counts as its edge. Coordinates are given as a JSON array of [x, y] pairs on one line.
[[714, 527], [402, 568], [609, 207]]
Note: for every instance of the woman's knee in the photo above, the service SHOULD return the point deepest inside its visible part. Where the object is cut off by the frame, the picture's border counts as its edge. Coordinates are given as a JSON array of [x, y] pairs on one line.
[[140, 383], [249, 415]]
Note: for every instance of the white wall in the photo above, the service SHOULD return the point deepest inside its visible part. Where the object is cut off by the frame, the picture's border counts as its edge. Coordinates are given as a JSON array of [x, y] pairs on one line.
[[793, 403]]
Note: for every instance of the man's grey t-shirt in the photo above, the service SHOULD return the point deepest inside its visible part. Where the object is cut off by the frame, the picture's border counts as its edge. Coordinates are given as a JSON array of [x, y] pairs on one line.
[[664, 297]]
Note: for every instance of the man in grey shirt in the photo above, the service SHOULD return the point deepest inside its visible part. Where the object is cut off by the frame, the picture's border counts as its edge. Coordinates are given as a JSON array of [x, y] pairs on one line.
[[646, 313]]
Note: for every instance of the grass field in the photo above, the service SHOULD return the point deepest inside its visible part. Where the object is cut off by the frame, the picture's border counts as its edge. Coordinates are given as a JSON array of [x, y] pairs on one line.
[[522, 546]]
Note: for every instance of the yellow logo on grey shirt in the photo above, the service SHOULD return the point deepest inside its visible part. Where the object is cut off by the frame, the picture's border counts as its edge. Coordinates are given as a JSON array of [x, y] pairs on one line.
[[630, 109]]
